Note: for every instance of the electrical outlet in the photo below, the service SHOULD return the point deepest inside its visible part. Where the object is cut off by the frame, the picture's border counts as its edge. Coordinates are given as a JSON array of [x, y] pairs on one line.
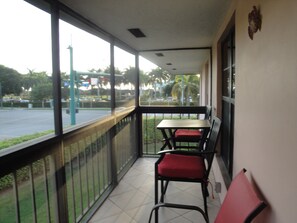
[[218, 187]]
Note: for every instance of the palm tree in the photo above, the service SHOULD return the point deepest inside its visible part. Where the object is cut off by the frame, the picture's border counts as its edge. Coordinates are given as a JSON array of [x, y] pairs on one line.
[[158, 76], [129, 76], [118, 78], [186, 86]]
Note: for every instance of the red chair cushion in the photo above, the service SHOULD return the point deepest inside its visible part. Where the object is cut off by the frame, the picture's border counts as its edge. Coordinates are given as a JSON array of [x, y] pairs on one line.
[[182, 166], [184, 133], [240, 201]]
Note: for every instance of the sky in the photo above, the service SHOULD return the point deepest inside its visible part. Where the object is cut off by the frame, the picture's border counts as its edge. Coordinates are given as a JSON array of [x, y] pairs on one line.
[[25, 43]]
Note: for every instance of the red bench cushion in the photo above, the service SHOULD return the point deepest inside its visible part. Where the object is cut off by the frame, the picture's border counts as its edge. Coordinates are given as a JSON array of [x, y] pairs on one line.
[[188, 133], [182, 166]]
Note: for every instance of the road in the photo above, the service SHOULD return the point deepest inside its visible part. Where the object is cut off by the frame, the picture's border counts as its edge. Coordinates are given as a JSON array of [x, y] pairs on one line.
[[18, 122]]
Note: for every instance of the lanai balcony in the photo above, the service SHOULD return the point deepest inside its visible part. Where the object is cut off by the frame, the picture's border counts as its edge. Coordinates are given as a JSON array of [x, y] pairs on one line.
[[245, 54], [66, 175]]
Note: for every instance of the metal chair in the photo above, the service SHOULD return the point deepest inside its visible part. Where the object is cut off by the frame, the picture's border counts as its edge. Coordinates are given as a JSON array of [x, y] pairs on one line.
[[241, 204], [186, 166]]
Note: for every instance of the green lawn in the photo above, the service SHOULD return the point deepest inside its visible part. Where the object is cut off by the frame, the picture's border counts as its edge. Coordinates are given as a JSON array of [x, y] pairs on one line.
[[11, 142], [84, 192]]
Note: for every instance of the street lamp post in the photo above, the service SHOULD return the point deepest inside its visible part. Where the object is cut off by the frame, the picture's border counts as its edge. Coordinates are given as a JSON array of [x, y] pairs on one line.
[[72, 108]]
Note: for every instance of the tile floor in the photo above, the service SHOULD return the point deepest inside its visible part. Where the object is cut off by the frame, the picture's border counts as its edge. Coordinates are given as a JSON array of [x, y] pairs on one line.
[[132, 200]]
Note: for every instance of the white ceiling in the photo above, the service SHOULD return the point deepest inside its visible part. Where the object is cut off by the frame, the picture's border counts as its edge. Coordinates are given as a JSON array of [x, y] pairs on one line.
[[169, 26]]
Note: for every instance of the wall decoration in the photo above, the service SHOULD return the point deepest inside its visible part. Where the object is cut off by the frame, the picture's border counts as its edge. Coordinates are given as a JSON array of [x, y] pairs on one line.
[[255, 21]]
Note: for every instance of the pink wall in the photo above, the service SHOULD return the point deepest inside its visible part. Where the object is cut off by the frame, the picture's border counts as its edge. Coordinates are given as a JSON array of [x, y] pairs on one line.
[[266, 104]]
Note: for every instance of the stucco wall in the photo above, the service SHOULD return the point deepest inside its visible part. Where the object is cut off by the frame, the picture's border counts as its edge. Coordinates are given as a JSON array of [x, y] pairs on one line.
[[266, 105]]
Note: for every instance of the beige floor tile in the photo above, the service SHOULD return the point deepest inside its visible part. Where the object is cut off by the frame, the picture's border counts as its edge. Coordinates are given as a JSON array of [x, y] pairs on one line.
[[133, 199]]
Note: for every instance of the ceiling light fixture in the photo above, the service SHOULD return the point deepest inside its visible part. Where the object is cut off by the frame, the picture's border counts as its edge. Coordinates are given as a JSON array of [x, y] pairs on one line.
[[160, 54], [136, 32]]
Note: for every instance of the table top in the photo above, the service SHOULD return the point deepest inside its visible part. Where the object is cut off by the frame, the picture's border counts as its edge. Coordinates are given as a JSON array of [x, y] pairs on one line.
[[183, 124]]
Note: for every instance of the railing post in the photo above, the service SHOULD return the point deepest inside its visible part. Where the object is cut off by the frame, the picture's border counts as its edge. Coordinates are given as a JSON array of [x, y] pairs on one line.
[[138, 121], [111, 148], [57, 159], [61, 191]]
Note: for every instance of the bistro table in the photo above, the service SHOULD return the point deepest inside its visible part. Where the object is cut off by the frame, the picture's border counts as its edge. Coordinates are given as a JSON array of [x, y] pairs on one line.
[[168, 126]]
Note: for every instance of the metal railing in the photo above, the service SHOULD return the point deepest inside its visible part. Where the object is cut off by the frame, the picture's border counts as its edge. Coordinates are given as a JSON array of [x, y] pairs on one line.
[[65, 179], [152, 139]]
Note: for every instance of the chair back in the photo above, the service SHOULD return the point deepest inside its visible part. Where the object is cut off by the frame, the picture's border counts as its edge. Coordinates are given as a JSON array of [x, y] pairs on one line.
[[205, 114], [208, 112], [241, 203], [211, 143]]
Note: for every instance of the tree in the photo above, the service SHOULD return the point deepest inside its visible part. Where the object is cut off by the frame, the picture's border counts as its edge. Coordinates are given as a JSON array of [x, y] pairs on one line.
[[168, 88], [129, 76], [65, 93], [116, 70], [186, 86], [10, 81], [42, 92], [158, 76], [105, 80], [144, 79], [32, 79]]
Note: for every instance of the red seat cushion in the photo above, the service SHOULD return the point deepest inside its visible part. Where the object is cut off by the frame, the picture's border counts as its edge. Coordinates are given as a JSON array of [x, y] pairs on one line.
[[185, 133], [182, 166]]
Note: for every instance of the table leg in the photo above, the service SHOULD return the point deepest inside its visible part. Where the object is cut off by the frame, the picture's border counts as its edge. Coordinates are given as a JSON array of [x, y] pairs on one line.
[[167, 140], [171, 134]]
